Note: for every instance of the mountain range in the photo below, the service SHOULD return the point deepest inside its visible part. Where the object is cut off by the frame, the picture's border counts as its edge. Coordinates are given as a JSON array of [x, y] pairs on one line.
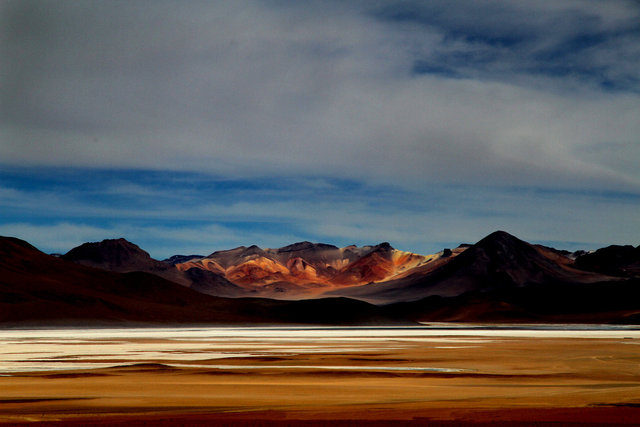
[[500, 278]]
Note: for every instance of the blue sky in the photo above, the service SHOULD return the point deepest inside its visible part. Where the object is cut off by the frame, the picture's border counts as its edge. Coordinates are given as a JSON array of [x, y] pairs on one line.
[[196, 126]]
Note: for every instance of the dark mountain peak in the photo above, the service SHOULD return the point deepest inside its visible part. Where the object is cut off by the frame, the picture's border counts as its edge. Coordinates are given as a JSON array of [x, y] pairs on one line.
[[114, 254], [115, 251], [501, 259], [233, 251], [500, 242], [179, 259], [253, 250], [325, 246], [499, 236], [240, 251], [299, 246], [383, 250], [13, 250], [615, 260], [382, 247], [305, 246], [6, 241]]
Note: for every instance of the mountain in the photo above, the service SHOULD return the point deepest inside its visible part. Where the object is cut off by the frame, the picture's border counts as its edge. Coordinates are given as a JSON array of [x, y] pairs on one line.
[[500, 278], [115, 255], [40, 289], [122, 256], [623, 261], [177, 259], [305, 269], [497, 262], [504, 279]]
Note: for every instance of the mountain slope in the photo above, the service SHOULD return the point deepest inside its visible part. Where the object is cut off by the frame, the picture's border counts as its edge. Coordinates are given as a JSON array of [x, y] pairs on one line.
[[122, 256], [615, 260], [36, 288], [610, 301], [504, 279], [305, 269], [500, 278], [115, 255], [499, 261]]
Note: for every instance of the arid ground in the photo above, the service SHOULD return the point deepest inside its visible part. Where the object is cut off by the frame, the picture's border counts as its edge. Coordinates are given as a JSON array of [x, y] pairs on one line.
[[335, 377]]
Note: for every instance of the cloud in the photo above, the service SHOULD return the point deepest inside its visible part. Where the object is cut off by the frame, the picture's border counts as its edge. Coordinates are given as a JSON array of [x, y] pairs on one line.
[[401, 92], [514, 41], [207, 125], [212, 215]]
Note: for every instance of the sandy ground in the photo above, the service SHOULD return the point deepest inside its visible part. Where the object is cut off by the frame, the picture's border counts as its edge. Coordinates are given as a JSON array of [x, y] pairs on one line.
[[505, 381]]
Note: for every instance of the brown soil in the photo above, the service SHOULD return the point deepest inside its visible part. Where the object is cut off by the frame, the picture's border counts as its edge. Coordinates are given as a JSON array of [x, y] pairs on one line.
[[507, 381]]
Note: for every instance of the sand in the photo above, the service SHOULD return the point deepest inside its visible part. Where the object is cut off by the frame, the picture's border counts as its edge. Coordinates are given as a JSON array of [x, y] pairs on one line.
[[470, 380]]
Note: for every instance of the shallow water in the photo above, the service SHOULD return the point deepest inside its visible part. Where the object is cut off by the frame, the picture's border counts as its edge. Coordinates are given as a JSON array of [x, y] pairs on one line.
[[25, 350]]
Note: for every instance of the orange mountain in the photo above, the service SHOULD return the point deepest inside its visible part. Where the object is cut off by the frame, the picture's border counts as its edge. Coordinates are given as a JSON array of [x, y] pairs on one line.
[[306, 269]]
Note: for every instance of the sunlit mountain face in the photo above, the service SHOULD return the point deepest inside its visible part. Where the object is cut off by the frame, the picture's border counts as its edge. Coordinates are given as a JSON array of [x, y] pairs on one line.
[[298, 271], [307, 269]]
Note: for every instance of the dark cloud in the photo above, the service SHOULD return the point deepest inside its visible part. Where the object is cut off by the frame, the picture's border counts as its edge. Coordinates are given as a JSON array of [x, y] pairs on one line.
[[506, 40]]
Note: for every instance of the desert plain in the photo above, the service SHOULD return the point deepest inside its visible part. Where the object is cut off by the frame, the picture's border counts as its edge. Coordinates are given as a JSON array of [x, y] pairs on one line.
[[436, 375]]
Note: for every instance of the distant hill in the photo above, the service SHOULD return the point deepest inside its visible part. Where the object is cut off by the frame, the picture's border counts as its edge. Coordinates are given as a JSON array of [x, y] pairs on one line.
[[305, 269], [613, 260], [497, 262], [499, 279], [40, 289], [122, 256], [504, 279]]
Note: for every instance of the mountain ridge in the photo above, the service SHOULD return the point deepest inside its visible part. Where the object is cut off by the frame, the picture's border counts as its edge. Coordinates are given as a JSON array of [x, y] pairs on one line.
[[499, 278], [304, 269], [41, 289], [121, 256], [498, 260]]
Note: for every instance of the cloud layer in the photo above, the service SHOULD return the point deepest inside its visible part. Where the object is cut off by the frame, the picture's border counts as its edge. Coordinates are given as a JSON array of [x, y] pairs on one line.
[[418, 122], [525, 92], [53, 212]]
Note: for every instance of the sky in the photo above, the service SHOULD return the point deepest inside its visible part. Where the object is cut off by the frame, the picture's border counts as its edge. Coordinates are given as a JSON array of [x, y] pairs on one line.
[[194, 126]]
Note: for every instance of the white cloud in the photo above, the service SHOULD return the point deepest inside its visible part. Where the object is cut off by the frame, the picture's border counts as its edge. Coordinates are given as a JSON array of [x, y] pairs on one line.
[[251, 89]]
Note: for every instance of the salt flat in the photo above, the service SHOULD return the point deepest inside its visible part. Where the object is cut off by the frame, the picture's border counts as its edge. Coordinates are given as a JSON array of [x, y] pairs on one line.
[[438, 372]]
